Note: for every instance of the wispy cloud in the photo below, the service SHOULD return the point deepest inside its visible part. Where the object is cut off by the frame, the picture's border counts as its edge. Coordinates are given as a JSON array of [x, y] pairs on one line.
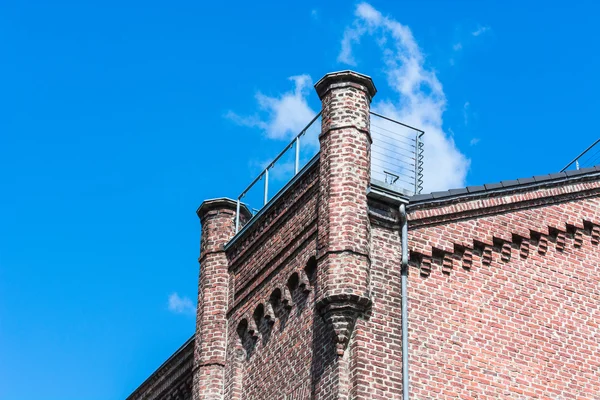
[[466, 112], [281, 117], [480, 30], [474, 141], [420, 97], [457, 46], [181, 305]]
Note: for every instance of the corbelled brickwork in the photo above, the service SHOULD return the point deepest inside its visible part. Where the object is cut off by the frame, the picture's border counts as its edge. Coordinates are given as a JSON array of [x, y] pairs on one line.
[[504, 295], [271, 318], [305, 301]]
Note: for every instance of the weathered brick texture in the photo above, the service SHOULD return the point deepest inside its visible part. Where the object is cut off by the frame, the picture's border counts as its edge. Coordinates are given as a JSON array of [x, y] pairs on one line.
[[218, 227], [305, 302], [272, 320], [507, 306]]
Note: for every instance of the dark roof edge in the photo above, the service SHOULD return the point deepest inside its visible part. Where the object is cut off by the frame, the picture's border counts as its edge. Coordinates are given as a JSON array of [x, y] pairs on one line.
[[163, 365], [470, 192], [273, 200]]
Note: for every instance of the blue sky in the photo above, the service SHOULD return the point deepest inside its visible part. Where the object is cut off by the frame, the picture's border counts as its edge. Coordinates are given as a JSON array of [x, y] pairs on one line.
[[118, 118]]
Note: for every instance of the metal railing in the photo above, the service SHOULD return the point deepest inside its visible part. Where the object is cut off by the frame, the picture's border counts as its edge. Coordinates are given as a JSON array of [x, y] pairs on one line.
[[588, 158], [396, 154], [277, 173], [396, 160]]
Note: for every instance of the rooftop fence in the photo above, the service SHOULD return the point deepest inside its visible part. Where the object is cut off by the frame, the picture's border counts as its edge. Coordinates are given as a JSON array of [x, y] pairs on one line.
[[396, 154], [588, 158], [396, 161]]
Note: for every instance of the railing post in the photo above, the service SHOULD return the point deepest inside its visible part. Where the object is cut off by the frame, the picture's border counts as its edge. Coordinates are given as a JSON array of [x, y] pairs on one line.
[[237, 216], [266, 194], [297, 163]]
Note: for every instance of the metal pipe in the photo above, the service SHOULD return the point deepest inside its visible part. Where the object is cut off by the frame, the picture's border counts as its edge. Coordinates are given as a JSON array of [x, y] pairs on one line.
[[404, 275], [266, 194], [297, 164]]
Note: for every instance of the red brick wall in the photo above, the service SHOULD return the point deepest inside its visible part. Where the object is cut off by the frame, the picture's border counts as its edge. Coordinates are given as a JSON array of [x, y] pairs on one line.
[[376, 348], [504, 296], [269, 355], [305, 303]]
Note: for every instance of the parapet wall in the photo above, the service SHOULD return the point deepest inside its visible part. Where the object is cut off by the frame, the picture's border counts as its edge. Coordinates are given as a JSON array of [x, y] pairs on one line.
[[272, 271]]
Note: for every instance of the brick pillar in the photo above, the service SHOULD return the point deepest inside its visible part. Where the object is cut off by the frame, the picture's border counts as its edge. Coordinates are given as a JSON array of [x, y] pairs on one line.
[[344, 228], [218, 227]]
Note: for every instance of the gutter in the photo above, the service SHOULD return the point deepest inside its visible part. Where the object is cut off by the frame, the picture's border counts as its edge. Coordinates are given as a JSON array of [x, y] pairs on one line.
[[404, 273]]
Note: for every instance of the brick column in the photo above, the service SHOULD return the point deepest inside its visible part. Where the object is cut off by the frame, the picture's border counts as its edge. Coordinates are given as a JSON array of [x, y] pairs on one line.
[[218, 227], [344, 228]]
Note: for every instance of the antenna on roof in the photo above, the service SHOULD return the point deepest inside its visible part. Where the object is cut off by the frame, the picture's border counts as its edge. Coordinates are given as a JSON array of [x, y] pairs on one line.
[[590, 160]]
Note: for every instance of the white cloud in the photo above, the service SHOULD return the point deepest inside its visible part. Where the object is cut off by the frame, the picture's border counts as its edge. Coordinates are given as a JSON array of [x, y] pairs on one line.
[[466, 112], [181, 305], [420, 100], [283, 117], [474, 141], [457, 46], [480, 30]]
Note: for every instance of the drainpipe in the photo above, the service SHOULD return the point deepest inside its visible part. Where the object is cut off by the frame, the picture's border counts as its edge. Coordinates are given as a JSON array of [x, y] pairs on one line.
[[404, 274]]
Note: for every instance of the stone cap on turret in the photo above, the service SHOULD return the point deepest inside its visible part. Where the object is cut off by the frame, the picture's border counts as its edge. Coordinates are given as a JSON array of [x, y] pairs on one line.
[[342, 77], [220, 204]]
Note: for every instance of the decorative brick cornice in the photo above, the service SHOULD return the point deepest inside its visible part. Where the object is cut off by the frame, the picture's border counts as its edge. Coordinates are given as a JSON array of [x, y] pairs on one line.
[[341, 79], [503, 250], [272, 267], [432, 213]]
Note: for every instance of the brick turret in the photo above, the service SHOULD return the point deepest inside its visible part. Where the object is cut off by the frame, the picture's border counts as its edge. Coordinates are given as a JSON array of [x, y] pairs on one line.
[[218, 227], [345, 163]]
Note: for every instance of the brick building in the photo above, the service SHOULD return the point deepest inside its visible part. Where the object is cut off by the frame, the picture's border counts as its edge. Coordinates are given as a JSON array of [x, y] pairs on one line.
[[500, 283]]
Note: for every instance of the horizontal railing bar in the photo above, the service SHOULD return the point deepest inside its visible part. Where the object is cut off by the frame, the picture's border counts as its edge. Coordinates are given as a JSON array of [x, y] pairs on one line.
[[410, 184], [377, 138], [411, 163], [409, 160], [394, 133], [400, 151], [592, 163], [403, 171], [400, 160], [398, 122], [589, 158], [387, 163], [389, 155], [258, 178], [289, 146], [400, 173], [582, 153]]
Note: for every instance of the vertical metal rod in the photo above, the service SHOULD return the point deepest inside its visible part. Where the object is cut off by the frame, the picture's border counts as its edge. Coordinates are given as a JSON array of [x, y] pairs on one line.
[[237, 216], [404, 291], [297, 164], [266, 196], [416, 163]]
